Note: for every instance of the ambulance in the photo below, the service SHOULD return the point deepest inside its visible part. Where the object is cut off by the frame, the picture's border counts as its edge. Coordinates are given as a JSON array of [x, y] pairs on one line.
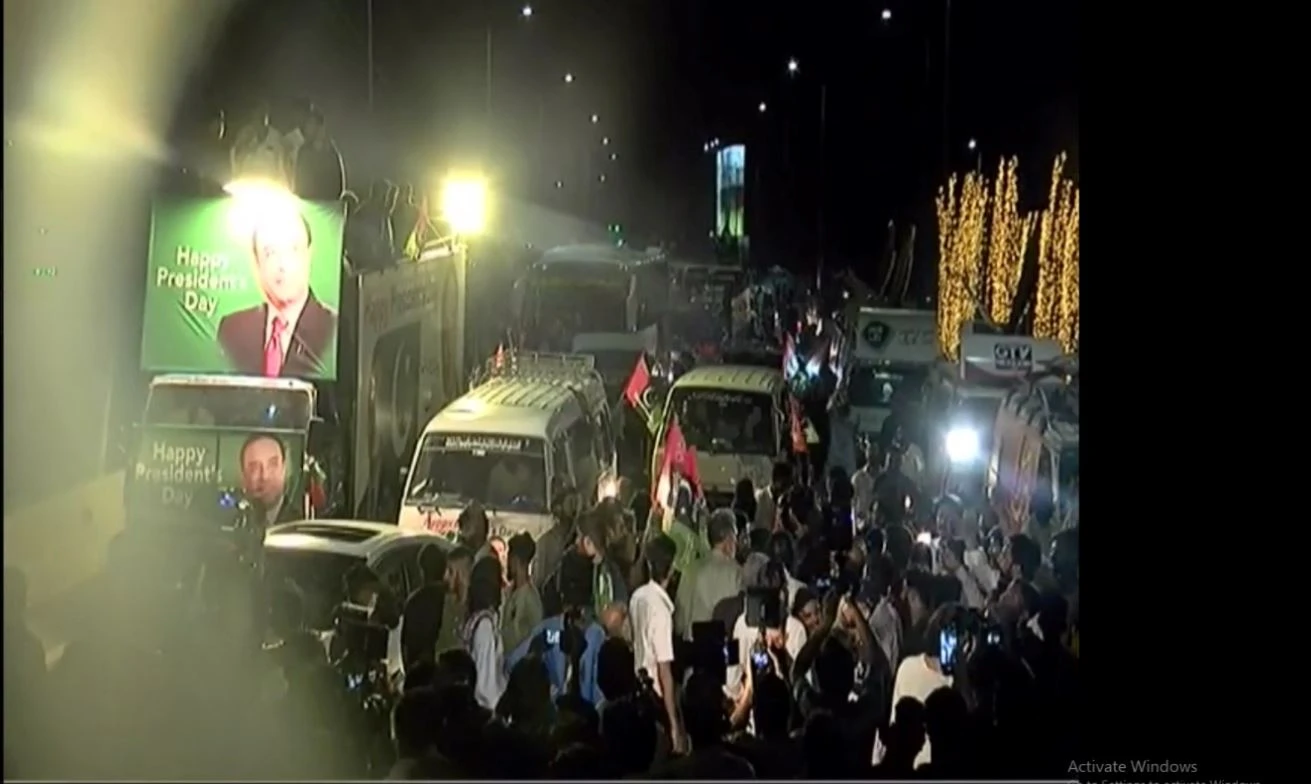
[[733, 416], [534, 423]]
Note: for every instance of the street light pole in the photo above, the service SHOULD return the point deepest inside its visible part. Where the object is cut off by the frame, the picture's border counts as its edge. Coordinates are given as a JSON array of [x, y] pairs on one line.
[[488, 97], [369, 12], [823, 175], [946, 89]]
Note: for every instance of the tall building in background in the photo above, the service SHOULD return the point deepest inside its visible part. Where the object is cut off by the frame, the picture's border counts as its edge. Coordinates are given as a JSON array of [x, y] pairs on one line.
[[731, 192]]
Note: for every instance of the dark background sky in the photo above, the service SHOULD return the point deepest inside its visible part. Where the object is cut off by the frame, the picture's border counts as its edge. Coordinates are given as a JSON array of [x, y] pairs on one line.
[[665, 76]]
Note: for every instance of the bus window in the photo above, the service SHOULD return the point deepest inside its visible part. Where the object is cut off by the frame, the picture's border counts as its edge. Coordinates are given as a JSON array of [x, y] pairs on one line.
[[582, 448], [562, 468]]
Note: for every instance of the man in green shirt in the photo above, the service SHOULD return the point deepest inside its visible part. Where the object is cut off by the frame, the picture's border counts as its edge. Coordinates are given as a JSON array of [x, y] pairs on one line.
[[523, 605], [609, 584]]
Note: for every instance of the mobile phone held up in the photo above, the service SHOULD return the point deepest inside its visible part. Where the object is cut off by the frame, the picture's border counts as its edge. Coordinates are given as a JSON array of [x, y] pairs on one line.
[[948, 649], [553, 637]]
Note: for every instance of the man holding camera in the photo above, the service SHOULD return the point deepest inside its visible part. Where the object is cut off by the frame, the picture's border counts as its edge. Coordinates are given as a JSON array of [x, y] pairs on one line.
[[768, 639]]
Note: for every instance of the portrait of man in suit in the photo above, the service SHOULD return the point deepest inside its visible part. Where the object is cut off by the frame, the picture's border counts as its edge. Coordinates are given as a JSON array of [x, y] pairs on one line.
[[292, 333], [264, 478]]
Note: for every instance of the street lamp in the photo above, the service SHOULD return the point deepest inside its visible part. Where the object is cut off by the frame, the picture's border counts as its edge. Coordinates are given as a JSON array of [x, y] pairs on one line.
[[614, 156], [793, 66], [595, 119], [526, 12], [568, 78], [972, 145], [559, 184], [605, 141], [762, 107], [601, 178], [887, 14]]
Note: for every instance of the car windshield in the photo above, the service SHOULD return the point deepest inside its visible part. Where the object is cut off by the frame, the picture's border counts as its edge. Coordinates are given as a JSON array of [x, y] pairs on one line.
[[872, 387], [725, 422], [318, 576], [502, 472], [221, 405]]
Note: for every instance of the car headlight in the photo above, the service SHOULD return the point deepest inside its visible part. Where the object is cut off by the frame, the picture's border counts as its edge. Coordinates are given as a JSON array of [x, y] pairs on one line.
[[962, 445]]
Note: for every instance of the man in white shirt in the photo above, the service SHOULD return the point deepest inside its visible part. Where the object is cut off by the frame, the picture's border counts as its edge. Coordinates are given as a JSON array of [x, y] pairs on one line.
[[952, 554], [789, 635], [652, 614], [862, 482], [921, 675]]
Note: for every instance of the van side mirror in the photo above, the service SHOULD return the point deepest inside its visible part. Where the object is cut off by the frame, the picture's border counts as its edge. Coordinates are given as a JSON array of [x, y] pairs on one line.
[[321, 435]]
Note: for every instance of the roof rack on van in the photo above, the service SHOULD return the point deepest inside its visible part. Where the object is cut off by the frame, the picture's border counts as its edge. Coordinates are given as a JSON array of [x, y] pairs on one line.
[[538, 366]]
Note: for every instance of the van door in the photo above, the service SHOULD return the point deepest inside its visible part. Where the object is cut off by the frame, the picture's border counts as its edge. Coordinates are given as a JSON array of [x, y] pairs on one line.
[[582, 452], [562, 471]]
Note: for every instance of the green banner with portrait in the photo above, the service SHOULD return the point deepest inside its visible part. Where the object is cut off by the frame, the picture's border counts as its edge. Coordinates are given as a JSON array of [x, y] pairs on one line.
[[247, 284], [196, 473]]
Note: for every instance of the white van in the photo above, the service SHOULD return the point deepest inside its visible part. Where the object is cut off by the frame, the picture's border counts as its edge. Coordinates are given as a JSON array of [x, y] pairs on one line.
[[733, 416], [536, 419]]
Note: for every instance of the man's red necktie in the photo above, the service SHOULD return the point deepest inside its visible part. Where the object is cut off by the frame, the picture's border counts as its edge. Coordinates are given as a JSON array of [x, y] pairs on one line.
[[273, 349]]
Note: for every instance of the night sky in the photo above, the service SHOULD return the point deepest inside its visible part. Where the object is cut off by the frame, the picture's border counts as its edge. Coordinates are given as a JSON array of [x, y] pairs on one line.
[[664, 77]]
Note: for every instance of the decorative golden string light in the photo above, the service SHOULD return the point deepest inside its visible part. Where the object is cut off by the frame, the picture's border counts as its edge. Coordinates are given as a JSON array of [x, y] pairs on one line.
[[1056, 300], [982, 243], [962, 237], [1008, 239]]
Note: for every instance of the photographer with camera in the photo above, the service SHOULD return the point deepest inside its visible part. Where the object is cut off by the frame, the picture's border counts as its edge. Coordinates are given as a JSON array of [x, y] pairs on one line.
[[768, 639]]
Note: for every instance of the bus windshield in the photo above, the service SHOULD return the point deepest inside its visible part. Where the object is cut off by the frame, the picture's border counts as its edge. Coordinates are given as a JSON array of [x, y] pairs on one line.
[[219, 405], [502, 472], [577, 298], [725, 422]]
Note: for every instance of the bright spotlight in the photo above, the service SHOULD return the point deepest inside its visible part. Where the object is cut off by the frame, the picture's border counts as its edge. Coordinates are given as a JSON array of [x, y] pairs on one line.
[[255, 200], [962, 445], [464, 204], [762, 107], [596, 118], [972, 144], [559, 183], [614, 156], [605, 141], [887, 14], [568, 78], [527, 11], [793, 65]]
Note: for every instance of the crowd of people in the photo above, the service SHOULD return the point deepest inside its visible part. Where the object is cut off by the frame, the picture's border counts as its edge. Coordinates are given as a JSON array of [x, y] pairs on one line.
[[805, 631]]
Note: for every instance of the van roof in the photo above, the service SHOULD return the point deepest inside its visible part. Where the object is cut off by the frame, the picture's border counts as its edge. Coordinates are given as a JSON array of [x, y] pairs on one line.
[[595, 254], [511, 407], [735, 378]]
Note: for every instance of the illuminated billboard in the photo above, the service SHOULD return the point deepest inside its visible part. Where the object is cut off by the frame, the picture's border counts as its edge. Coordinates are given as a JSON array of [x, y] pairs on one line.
[[730, 191], [241, 287]]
